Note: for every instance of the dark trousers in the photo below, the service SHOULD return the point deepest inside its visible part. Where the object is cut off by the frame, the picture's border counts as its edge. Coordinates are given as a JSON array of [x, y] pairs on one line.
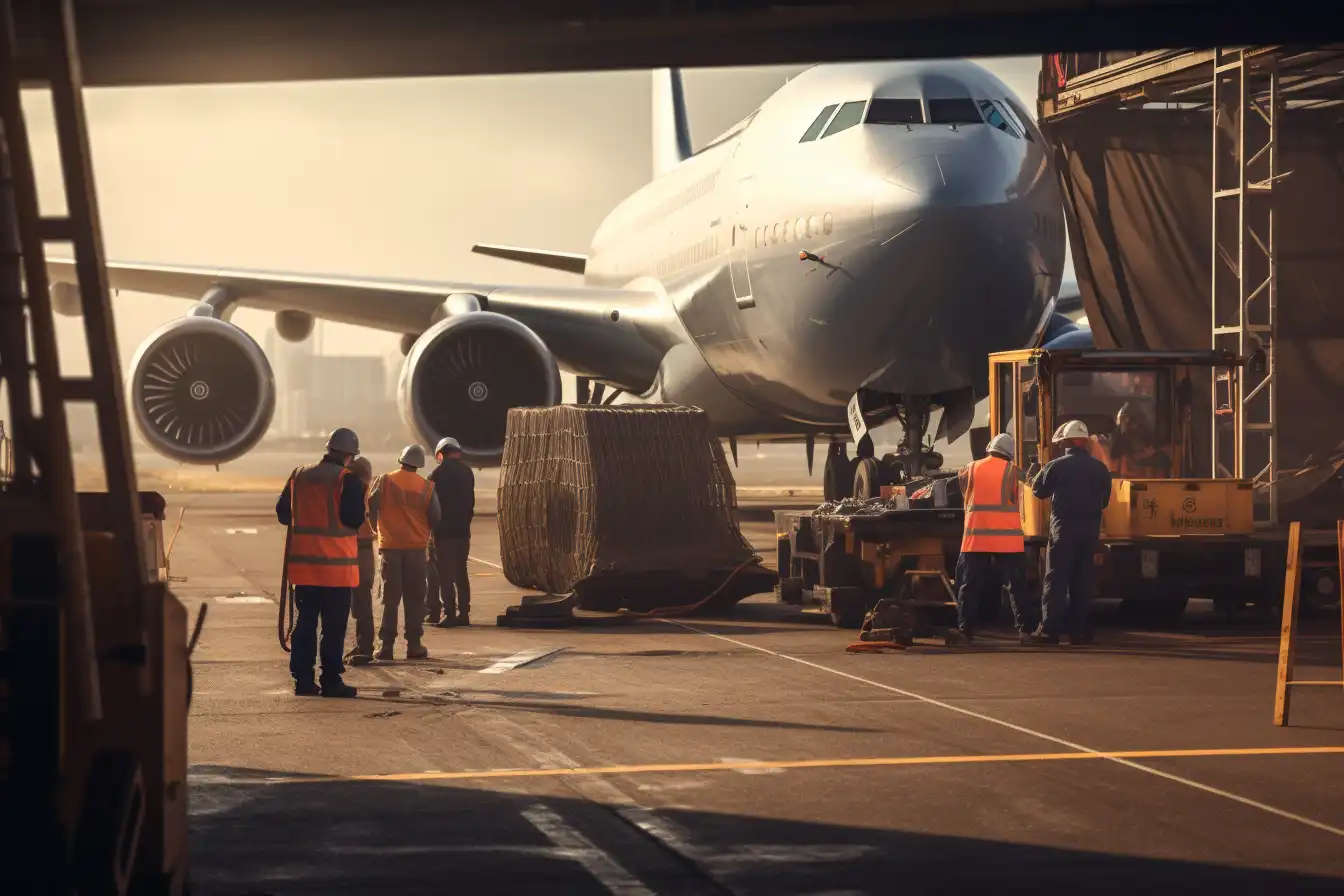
[[433, 603], [332, 607], [450, 556], [1069, 580], [978, 569], [361, 601], [402, 578]]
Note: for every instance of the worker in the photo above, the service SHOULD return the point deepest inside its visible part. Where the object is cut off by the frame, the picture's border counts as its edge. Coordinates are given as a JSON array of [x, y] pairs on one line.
[[1132, 450], [403, 509], [361, 602], [323, 507], [1079, 488], [992, 540], [456, 489]]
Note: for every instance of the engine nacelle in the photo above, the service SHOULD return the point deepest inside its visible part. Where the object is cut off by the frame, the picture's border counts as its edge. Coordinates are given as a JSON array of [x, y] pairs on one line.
[[464, 374], [201, 391]]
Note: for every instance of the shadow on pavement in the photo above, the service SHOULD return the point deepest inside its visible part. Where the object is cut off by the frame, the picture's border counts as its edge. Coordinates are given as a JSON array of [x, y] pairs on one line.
[[329, 837]]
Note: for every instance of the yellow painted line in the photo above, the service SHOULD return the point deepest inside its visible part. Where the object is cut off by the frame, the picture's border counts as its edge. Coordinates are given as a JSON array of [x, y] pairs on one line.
[[872, 762]]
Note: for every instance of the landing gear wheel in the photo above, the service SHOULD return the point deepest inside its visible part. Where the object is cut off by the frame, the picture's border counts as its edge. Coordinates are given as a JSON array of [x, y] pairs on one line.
[[867, 479], [837, 479]]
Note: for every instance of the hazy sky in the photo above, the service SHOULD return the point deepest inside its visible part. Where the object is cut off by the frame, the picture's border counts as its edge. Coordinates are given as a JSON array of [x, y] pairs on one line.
[[384, 178]]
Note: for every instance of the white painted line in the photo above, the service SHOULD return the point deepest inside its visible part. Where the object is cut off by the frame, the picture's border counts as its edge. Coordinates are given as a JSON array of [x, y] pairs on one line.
[[578, 847], [1245, 801], [485, 563], [240, 531], [520, 659], [243, 599]]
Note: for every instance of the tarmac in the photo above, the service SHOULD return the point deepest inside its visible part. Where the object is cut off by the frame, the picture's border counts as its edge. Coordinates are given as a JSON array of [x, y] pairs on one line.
[[747, 754]]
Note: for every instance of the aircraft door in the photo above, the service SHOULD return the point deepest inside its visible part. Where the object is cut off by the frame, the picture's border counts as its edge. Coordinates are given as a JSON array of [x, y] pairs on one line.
[[739, 234]]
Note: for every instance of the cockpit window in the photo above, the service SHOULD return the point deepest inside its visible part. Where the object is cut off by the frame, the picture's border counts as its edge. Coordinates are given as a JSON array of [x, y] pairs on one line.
[[818, 123], [961, 110], [888, 111], [849, 115], [994, 116], [1020, 117]]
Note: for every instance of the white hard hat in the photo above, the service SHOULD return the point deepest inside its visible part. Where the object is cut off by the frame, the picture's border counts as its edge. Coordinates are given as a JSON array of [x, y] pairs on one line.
[[412, 456], [1074, 429], [447, 444], [1001, 444]]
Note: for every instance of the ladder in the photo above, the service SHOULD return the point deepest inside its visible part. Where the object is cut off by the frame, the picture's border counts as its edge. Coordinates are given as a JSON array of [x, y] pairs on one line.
[[49, 671]]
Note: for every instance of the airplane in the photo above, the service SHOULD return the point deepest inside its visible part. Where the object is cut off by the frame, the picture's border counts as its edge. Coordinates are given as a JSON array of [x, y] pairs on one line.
[[847, 254]]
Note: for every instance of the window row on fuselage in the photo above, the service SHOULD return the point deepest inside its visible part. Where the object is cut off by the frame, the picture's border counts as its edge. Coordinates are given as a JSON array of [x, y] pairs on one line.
[[687, 256], [1003, 114], [792, 230]]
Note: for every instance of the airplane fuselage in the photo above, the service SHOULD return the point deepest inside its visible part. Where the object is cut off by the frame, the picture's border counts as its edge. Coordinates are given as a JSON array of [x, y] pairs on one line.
[[892, 257]]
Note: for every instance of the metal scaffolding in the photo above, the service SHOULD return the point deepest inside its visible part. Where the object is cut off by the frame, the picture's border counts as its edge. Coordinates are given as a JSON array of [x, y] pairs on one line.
[[1248, 90], [1246, 104]]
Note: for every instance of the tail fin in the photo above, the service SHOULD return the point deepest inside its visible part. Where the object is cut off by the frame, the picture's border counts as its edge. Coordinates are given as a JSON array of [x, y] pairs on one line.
[[671, 134]]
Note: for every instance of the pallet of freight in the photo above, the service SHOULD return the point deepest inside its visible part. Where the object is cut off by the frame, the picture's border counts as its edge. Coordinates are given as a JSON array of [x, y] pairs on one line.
[[627, 506]]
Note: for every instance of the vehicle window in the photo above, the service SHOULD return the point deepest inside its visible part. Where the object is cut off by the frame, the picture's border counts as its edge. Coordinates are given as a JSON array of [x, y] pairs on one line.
[[1030, 390], [1006, 395], [818, 123], [1021, 116], [849, 115], [995, 117], [887, 111], [1097, 398], [961, 110]]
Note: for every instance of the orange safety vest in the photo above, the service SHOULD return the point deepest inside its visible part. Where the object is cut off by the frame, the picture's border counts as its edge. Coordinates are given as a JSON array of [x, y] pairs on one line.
[[993, 516], [321, 551], [403, 511]]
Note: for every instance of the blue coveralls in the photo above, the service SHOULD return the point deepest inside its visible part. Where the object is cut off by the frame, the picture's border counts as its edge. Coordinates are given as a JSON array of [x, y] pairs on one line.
[[1079, 487]]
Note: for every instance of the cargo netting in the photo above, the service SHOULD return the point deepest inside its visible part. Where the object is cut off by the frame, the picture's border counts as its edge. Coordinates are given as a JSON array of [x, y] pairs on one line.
[[599, 496]]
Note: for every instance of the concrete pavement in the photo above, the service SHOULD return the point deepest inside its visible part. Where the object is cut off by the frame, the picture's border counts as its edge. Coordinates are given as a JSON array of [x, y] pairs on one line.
[[745, 755]]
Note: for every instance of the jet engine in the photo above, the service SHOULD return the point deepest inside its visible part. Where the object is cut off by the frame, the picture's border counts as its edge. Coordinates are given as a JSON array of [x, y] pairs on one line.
[[463, 375], [201, 391]]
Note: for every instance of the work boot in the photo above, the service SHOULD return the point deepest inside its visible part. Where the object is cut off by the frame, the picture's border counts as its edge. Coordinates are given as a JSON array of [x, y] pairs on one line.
[[1039, 637], [416, 652], [359, 656], [307, 688], [463, 618], [446, 622], [955, 637], [338, 688], [432, 618], [385, 652]]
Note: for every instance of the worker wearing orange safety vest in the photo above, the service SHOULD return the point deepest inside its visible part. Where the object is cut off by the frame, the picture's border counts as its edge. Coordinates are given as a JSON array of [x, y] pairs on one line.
[[361, 602], [323, 506], [403, 510], [992, 541]]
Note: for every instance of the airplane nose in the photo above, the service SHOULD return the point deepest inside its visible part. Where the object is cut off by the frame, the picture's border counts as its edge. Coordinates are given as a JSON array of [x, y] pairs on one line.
[[946, 179]]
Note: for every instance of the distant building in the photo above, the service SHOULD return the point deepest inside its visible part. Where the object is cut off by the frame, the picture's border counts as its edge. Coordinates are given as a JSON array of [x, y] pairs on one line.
[[317, 393]]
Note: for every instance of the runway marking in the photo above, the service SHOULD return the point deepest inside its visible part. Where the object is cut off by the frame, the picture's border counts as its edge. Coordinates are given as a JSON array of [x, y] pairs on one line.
[[578, 847], [520, 659], [767, 765], [485, 562], [1124, 759]]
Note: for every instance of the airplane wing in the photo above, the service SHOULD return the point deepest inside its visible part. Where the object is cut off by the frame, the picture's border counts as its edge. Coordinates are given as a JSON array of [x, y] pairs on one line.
[[558, 261], [613, 335]]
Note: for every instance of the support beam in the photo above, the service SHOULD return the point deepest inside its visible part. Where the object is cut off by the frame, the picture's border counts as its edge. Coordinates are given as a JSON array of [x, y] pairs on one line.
[[1247, 105]]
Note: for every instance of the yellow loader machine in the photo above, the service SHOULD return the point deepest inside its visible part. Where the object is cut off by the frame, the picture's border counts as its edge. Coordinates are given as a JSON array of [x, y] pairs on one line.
[[1172, 531]]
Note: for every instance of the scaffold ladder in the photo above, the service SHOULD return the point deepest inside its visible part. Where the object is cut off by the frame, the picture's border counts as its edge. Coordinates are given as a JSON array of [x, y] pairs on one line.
[[1244, 290], [47, 646]]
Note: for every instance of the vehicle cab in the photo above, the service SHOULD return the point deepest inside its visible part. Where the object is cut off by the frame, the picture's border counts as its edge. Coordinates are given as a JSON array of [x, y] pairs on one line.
[[1140, 409]]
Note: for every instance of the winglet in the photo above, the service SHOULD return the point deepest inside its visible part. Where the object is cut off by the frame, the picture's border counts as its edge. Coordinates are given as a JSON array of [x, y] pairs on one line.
[[558, 261], [671, 133]]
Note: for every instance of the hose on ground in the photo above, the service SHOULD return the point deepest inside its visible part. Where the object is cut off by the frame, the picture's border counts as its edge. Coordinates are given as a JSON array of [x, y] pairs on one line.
[[687, 609]]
